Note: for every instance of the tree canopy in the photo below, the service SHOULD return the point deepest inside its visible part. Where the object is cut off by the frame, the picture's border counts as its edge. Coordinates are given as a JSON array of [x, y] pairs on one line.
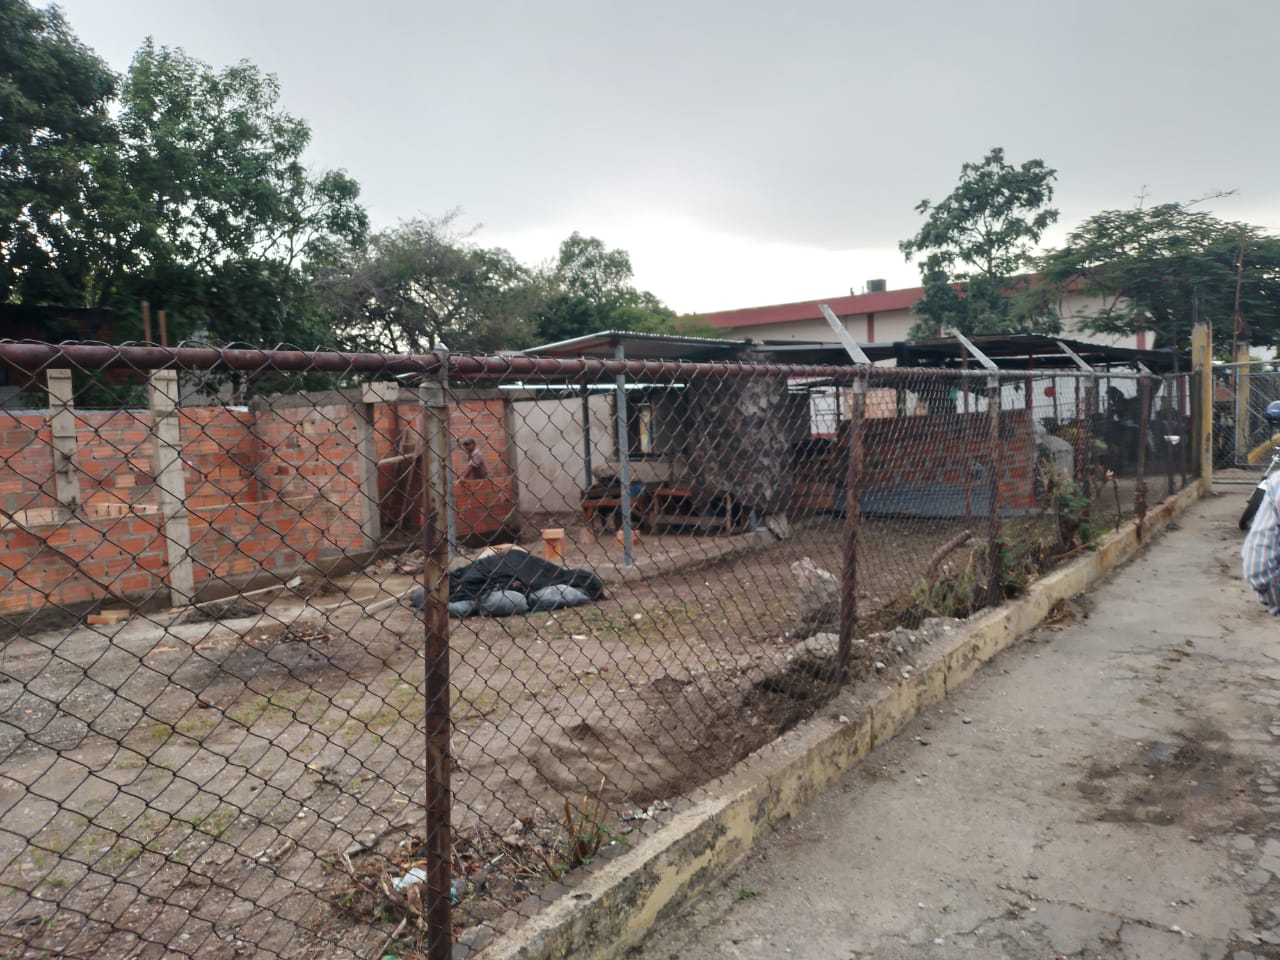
[[55, 128], [186, 186], [424, 284], [1149, 264], [178, 183], [590, 290], [217, 213], [976, 244]]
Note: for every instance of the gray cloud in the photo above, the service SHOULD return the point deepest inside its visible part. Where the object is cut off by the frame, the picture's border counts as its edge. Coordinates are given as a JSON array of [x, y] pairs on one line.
[[812, 123]]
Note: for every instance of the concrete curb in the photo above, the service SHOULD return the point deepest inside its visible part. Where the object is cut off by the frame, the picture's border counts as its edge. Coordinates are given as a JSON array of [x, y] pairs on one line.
[[614, 905]]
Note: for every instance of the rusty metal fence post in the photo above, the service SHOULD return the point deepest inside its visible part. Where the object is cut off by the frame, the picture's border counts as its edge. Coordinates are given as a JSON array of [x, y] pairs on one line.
[[1140, 490], [1086, 427], [435, 545], [1168, 427], [993, 488], [852, 524]]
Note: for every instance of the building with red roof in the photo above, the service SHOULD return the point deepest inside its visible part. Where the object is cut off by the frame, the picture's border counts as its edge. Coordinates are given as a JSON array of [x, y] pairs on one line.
[[876, 316]]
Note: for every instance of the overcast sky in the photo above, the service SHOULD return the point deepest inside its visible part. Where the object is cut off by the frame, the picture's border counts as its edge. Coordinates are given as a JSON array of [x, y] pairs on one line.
[[744, 152]]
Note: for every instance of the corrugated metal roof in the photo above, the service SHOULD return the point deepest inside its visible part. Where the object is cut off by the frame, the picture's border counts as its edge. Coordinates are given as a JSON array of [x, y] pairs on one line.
[[1021, 351], [1009, 351], [639, 346]]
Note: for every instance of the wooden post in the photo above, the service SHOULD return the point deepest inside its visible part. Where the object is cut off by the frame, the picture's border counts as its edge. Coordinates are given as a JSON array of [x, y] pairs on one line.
[[435, 582], [1202, 427], [62, 425], [171, 484]]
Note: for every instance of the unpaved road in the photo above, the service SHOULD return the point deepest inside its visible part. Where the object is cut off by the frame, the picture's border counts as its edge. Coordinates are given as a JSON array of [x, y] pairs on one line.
[[1108, 789]]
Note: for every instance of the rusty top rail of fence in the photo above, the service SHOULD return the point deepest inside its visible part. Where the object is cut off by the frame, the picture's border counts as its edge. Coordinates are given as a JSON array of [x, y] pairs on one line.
[[35, 356]]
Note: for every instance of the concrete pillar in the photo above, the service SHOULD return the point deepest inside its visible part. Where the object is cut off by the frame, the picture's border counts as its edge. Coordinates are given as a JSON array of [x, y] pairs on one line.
[[62, 424], [511, 457], [1242, 445], [171, 484], [367, 451], [1202, 363]]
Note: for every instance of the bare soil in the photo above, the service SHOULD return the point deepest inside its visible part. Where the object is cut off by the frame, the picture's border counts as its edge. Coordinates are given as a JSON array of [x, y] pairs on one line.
[[193, 789]]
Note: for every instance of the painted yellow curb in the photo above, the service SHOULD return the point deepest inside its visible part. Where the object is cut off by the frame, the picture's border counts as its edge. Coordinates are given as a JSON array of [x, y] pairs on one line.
[[615, 905]]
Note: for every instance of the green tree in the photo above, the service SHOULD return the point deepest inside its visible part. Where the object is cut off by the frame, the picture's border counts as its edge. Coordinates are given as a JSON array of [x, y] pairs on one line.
[[590, 290], [976, 244], [423, 284], [54, 130], [182, 185], [217, 214], [1148, 264]]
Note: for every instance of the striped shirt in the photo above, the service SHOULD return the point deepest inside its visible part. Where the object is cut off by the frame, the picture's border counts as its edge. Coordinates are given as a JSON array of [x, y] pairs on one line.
[[1260, 554]]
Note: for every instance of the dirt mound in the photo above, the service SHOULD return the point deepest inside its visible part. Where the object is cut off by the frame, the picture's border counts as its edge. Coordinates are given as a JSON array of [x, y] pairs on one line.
[[670, 735]]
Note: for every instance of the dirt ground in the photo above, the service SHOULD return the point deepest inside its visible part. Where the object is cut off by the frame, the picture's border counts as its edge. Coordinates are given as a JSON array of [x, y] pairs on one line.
[[1108, 789], [193, 788]]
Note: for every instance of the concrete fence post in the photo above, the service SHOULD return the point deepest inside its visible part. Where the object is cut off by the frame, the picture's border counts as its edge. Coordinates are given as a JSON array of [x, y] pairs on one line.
[[171, 484], [62, 425], [1202, 425], [1242, 392], [367, 451]]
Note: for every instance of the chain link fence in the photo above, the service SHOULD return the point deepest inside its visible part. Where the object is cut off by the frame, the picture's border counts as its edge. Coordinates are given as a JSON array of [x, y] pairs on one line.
[[350, 655], [1242, 436]]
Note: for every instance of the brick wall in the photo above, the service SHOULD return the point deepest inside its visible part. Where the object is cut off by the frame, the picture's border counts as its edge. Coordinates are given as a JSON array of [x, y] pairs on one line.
[[948, 452], [481, 508], [268, 490]]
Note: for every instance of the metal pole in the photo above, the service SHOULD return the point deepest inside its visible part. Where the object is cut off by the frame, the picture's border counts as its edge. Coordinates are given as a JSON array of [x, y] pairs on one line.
[[435, 581], [587, 479], [1029, 400], [993, 490], [451, 512], [852, 523], [1170, 423], [1079, 457], [1091, 406], [1140, 493], [624, 460]]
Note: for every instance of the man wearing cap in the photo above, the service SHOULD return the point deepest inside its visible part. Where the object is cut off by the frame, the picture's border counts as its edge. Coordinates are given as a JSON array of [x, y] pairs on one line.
[[476, 468]]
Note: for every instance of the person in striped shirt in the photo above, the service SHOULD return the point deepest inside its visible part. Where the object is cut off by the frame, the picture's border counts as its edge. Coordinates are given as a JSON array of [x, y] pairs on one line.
[[1260, 554]]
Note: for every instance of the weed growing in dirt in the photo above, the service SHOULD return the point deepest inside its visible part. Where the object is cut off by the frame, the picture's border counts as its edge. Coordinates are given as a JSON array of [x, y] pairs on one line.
[[1073, 510], [584, 834], [960, 580]]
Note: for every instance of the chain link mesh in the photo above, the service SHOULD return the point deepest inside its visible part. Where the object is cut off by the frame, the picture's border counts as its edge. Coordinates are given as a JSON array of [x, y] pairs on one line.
[[1242, 391], [321, 655]]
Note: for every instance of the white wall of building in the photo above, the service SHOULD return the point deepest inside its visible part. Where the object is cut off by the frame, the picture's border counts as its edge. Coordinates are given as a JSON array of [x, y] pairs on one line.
[[550, 464], [892, 325]]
